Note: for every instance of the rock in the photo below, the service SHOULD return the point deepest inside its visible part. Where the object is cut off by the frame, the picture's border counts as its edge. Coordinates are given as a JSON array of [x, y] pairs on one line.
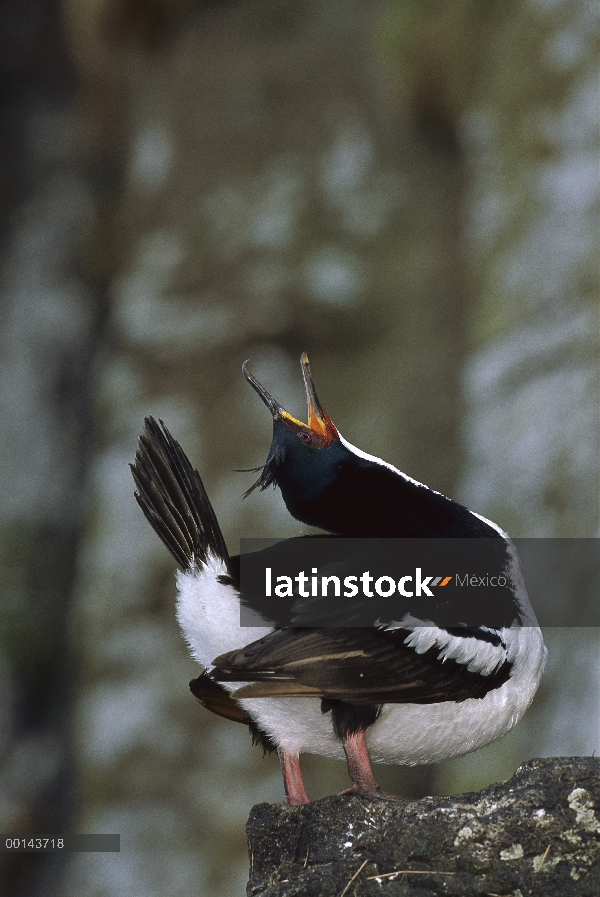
[[537, 833]]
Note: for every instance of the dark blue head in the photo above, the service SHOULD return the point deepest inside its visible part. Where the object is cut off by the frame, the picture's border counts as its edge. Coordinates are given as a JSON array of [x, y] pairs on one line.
[[303, 458]]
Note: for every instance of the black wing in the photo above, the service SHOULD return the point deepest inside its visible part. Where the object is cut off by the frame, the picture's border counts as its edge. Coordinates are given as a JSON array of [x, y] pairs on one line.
[[358, 666]]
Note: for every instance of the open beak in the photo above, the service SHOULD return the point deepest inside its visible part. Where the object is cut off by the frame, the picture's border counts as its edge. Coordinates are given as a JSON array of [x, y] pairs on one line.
[[273, 406], [318, 421]]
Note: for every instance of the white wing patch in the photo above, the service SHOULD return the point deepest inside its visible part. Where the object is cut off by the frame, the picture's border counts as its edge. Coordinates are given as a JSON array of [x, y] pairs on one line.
[[477, 655]]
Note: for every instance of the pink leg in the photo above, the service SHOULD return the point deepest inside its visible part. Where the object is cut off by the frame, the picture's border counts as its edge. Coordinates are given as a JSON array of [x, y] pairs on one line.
[[295, 795], [359, 765]]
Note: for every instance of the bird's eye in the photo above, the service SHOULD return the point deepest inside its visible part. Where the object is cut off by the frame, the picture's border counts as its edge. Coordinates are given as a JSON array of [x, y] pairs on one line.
[[305, 437]]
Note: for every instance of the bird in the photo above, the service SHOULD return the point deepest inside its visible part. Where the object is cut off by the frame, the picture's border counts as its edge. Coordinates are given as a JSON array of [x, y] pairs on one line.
[[439, 680]]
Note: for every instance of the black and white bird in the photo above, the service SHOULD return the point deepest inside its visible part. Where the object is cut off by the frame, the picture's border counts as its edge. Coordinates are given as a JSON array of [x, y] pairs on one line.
[[410, 691]]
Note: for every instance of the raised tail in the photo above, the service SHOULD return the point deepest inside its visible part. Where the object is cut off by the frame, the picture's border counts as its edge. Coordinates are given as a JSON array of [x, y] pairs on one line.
[[174, 500]]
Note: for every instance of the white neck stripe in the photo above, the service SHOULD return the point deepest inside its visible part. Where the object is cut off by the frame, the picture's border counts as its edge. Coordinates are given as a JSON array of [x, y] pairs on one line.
[[376, 460], [366, 457]]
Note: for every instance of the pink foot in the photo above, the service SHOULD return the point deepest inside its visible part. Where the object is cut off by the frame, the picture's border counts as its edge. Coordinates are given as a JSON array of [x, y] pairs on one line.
[[373, 794], [295, 793], [359, 769], [362, 791]]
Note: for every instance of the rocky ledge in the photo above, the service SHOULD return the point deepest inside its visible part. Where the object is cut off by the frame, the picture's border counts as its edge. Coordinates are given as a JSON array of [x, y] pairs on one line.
[[536, 834]]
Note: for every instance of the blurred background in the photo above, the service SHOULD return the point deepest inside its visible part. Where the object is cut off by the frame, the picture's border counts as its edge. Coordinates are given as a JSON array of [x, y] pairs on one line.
[[407, 190]]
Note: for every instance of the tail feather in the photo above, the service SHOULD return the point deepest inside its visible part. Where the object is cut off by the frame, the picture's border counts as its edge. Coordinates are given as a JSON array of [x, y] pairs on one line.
[[174, 500], [214, 697]]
